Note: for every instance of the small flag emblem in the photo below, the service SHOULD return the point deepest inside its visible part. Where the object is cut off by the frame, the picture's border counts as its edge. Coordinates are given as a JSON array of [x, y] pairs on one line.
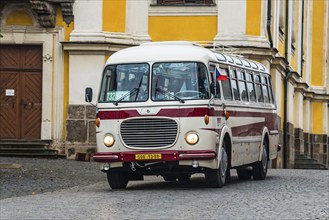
[[220, 76]]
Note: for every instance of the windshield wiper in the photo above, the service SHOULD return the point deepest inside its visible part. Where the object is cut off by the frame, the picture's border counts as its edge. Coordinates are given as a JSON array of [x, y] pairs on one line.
[[170, 94], [131, 92]]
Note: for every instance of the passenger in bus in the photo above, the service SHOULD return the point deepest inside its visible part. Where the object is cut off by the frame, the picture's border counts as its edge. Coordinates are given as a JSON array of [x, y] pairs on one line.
[[197, 83], [123, 85], [133, 83], [174, 86]]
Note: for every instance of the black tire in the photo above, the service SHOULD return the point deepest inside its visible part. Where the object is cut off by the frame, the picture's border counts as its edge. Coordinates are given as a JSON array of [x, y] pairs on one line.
[[117, 180], [184, 178], [169, 178], [260, 167], [216, 178], [244, 174]]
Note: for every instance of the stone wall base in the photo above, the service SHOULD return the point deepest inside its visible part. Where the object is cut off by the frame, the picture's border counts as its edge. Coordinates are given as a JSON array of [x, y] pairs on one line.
[[318, 146], [80, 130], [299, 141], [77, 151]]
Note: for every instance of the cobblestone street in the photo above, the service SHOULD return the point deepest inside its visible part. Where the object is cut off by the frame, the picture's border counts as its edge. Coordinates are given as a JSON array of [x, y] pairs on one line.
[[285, 194]]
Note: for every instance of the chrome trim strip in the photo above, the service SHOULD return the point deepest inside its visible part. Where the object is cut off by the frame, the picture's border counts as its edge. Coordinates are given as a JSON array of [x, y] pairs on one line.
[[246, 140], [197, 155], [274, 132], [110, 157]]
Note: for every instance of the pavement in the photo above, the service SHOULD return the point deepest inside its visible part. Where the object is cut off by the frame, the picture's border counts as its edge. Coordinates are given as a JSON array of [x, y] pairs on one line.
[[36, 188], [30, 176]]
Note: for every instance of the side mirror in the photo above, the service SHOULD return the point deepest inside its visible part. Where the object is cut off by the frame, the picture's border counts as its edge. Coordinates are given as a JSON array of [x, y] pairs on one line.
[[89, 94]]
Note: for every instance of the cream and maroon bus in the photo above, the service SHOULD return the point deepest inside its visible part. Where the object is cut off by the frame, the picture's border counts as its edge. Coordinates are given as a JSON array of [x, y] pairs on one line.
[[162, 111]]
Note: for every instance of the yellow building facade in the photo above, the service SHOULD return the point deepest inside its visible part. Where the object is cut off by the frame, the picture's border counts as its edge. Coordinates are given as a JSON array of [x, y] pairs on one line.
[[291, 38]]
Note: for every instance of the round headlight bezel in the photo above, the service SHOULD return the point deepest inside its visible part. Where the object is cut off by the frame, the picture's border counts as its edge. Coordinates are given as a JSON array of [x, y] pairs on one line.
[[109, 140], [192, 138]]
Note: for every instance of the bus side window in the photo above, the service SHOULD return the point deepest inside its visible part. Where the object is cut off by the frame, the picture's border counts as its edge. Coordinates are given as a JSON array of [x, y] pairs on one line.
[[259, 93], [265, 89], [242, 86], [251, 87], [226, 85], [270, 89], [235, 87], [214, 81]]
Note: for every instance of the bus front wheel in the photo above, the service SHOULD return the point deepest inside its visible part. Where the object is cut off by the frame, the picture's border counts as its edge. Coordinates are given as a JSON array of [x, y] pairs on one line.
[[117, 180], [215, 178]]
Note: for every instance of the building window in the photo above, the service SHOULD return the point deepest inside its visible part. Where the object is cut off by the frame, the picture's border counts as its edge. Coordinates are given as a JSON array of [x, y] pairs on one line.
[[185, 2]]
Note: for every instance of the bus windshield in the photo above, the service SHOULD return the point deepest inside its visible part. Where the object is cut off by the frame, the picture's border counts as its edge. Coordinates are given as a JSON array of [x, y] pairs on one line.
[[125, 83], [179, 81]]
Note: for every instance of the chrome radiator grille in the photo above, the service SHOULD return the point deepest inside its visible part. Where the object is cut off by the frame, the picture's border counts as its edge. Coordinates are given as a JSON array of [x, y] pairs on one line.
[[149, 132]]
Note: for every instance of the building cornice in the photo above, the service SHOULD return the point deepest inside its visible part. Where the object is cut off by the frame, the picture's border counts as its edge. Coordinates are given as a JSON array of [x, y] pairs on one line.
[[92, 47], [301, 87], [280, 64], [316, 97]]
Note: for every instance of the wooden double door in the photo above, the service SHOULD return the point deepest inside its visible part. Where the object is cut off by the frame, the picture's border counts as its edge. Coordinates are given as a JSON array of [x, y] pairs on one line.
[[20, 91]]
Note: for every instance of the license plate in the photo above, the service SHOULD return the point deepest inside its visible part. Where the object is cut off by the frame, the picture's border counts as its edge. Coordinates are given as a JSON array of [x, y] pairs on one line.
[[148, 156]]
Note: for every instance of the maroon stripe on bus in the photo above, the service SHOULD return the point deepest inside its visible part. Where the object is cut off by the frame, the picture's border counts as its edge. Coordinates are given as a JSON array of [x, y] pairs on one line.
[[180, 112], [174, 113], [270, 118]]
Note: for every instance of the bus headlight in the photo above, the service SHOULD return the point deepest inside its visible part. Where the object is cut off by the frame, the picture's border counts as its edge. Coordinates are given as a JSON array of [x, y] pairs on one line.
[[191, 137], [109, 140]]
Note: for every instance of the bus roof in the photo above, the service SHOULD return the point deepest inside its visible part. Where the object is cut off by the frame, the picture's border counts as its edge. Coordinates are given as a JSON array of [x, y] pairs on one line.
[[180, 51]]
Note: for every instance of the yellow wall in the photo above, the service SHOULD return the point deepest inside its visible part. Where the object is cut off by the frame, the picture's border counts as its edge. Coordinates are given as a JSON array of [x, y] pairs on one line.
[[19, 18], [317, 118], [281, 48], [253, 17], [294, 60], [201, 28], [294, 55], [114, 16], [317, 42]]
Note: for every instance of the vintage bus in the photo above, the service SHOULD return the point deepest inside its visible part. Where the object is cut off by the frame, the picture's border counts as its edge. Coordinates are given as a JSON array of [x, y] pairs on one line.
[[174, 109]]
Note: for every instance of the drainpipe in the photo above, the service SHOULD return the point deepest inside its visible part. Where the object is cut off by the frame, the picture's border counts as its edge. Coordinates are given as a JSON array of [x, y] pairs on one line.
[[302, 42], [268, 24], [285, 91]]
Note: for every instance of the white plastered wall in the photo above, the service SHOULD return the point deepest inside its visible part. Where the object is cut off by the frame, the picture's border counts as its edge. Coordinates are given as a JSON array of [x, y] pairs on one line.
[[85, 71], [52, 81], [85, 65], [307, 116], [88, 23], [277, 83], [137, 20], [232, 28], [298, 110], [290, 101], [228, 23]]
